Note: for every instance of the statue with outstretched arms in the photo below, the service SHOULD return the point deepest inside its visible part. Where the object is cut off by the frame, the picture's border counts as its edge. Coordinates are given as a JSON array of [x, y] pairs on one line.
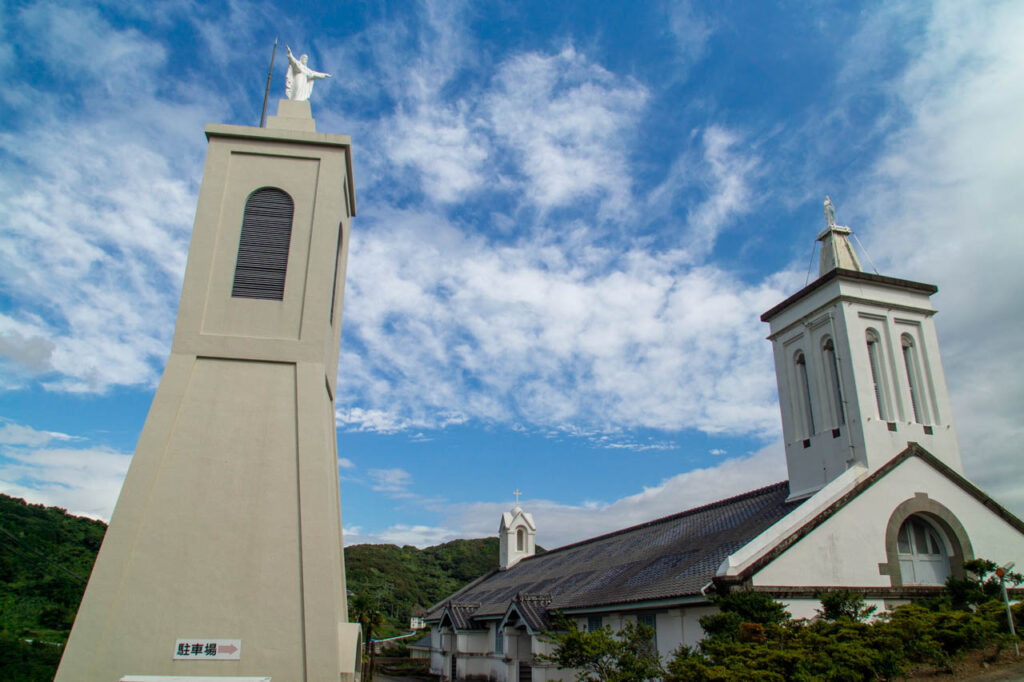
[[298, 84]]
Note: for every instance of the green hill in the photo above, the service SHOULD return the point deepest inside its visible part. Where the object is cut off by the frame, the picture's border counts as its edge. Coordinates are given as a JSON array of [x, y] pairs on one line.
[[46, 556], [400, 579]]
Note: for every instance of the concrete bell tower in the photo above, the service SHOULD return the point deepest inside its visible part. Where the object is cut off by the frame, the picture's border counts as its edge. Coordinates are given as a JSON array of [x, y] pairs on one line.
[[858, 368], [516, 536], [224, 556]]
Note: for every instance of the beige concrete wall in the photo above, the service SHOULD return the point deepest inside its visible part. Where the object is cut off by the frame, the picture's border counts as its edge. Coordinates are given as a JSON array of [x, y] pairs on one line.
[[228, 525]]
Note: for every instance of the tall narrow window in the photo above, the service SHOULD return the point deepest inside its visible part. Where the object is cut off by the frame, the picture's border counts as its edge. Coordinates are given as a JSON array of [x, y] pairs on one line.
[[263, 247], [520, 540], [650, 621], [835, 388], [878, 374], [804, 390], [917, 395], [499, 640]]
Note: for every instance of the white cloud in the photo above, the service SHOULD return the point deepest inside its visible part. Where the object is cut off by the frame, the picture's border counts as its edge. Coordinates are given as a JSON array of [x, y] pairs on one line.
[[560, 524], [569, 121], [98, 208], [690, 32], [25, 350], [393, 481], [19, 434], [461, 329], [942, 207], [443, 146], [401, 534], [84, 480], [346, 463]]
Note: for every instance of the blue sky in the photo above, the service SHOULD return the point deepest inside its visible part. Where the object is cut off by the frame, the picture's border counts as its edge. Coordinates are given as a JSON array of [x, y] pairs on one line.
[[570, 218]]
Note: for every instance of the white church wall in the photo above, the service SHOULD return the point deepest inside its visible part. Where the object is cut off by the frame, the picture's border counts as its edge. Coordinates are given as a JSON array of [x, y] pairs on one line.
[[692, 631], [846, 549], [669, 627]]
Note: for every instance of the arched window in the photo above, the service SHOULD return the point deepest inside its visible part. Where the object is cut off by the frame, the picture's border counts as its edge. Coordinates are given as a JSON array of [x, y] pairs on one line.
[[835, 390], [878, 375], [917, 393], [923, 556], [520, 540], [803, 389], [263, 247]]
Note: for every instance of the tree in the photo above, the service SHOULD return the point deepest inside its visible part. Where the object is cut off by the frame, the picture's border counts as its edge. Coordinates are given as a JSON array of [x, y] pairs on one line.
[[364, 609], [979, 584], [602, 656], [840, 604]]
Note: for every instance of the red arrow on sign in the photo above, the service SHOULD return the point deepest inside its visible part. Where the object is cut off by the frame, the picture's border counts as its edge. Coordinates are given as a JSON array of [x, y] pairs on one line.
[[226, 649]]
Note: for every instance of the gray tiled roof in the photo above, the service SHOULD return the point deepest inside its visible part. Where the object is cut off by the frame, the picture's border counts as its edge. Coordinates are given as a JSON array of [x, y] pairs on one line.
[[671, 557], [533, 608], [421, 643]]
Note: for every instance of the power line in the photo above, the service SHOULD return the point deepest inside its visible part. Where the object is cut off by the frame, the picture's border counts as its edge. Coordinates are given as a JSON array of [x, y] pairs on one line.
[[42, 555]]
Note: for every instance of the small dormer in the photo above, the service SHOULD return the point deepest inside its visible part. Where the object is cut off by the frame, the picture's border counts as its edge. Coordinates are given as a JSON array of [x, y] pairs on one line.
[[516, 536]]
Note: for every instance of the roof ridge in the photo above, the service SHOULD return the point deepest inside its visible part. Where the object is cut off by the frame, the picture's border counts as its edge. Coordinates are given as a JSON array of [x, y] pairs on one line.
[[533, 596], [670, 517]]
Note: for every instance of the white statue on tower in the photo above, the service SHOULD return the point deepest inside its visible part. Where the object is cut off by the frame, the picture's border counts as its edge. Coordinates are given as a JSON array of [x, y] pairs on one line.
[[830, 212], [298, 84]]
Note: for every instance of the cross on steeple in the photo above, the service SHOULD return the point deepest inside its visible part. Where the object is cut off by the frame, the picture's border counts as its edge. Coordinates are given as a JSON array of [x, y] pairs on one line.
[[517, 494]]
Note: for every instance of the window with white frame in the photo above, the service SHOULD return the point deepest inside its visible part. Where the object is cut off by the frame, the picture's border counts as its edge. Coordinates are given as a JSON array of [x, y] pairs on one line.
[[520, 540], [914, 379], [924, 559], [876, 362], [499, 640], [835, 390], [593, 623], [803, 390]]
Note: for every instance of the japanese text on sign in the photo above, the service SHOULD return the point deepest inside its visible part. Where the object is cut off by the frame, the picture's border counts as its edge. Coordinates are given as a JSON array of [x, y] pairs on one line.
[[207, 649]]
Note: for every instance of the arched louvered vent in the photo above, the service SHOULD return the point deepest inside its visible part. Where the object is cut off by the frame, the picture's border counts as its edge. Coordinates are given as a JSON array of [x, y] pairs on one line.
[[263, 248]]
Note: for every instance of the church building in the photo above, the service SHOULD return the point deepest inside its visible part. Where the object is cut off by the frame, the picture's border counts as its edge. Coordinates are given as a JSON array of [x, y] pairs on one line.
[[876, 500]]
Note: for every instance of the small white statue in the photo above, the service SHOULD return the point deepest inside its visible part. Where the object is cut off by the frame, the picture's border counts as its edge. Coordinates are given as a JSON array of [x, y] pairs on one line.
[[298, 84], [830, 212]]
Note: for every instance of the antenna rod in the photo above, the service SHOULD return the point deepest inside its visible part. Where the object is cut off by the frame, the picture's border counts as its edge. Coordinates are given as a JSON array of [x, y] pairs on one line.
[[270, 72]]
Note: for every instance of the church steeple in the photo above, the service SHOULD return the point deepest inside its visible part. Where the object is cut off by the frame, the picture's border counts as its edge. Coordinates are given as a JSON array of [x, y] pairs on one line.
[[858, 368], [836, 249], [516, 536]]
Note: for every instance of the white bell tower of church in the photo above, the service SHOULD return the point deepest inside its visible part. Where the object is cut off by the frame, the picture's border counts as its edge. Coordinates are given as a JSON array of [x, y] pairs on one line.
[[858, 368], [516, 536]]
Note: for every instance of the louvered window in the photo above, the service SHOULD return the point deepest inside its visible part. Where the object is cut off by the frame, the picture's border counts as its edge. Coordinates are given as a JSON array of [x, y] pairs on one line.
[[835, 388], [804, 389], [917, 396], [263, 248], [878, 374]]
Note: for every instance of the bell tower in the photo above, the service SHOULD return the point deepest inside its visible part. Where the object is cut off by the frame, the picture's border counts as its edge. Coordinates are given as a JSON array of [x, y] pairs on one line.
[[858, 368], [516, 536], [224, 554]]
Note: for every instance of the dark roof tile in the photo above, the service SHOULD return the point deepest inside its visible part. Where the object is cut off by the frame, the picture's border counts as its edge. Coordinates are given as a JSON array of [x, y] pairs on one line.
[[667, 558]]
